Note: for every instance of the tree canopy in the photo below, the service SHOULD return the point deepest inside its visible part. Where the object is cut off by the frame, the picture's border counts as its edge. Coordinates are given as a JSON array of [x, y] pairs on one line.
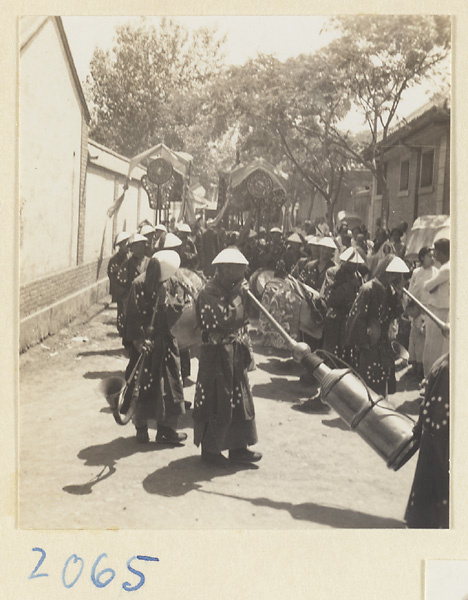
[[378, 58], [131, 87], [166, 84]]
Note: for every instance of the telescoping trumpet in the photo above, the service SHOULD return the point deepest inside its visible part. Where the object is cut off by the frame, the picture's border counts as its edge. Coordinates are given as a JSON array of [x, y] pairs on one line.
[[387, 432]]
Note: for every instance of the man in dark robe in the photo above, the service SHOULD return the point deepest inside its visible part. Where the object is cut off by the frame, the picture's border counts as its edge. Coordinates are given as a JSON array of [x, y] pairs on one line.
[[187, 251], [275, 248], [313, 274], [148, 232], [133, 266], [181, 287], [428, 504], [377, 304], [224, 413], [293, 251], [339, 291], [117, 291], [161, 395], [211, 247]]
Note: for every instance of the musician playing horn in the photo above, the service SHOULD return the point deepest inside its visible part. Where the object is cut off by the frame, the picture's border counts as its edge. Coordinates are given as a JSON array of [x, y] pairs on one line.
[[161, 394], [224, 413]]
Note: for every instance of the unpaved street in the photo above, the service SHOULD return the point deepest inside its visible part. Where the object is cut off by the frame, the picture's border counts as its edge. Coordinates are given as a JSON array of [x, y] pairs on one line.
[[79, 469]]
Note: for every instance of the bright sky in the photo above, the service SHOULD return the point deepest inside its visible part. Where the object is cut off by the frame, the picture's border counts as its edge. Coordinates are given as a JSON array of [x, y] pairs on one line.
[[283, 36]]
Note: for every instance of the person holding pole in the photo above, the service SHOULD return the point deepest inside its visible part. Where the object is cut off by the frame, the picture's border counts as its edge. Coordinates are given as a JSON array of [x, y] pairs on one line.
[[150, 314], [224, 414]]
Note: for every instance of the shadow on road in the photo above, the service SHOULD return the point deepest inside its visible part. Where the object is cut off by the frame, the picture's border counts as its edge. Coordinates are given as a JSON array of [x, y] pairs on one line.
[[186, 474], [107, 455], [336, 424], [110, 321], [273, 352], [406, 383], [108, 352], [410, 407], [280, 388], [102, 374], [341, 518], [275, 366]]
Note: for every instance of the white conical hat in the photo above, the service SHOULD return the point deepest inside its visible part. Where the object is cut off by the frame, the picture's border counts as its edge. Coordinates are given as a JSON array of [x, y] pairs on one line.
[[295, 237], [327, 242], [352, 255], [230, 256], [137, 237], [184, 227], [160, 227], [313, 240], [397, 265], [252, 233], [121, 237], [146, 229], [275, 230], [172, 241], [169, 262]]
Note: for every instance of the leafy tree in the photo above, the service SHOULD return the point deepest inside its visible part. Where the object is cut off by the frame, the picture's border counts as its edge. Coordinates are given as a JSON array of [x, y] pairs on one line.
[[377, 58], [131, 88], [282, 112]]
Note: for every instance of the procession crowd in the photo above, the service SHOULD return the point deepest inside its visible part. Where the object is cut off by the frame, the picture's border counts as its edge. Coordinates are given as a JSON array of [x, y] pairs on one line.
[[352, 287]]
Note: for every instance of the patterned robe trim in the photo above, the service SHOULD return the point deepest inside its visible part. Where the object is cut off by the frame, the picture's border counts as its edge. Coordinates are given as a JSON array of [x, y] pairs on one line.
[[223, 393]]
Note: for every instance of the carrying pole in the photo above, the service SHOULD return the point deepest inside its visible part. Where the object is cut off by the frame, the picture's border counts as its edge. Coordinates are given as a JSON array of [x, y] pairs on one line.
[[444, 326]]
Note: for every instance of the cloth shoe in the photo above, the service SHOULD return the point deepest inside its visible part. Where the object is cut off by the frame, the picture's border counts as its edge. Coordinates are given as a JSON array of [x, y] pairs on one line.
[[166, 435], [244, 455]]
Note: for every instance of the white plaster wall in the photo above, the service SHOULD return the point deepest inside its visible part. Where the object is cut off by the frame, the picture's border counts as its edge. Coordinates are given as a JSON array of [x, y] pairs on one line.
[[127, 215], [49, 157], [98, 226]]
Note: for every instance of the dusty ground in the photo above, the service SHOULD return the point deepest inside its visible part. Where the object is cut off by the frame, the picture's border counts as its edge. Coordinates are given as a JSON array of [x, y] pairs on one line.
[[79, 469]]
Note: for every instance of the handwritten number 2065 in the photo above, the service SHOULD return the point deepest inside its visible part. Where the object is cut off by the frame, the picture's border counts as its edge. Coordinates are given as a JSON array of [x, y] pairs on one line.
[[74, 565]]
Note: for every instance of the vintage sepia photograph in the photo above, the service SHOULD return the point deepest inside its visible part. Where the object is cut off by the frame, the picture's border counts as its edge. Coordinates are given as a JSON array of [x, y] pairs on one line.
[[234, 272]]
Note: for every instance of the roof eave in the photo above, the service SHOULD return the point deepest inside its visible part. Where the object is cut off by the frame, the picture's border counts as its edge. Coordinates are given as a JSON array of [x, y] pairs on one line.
[[74, 72]]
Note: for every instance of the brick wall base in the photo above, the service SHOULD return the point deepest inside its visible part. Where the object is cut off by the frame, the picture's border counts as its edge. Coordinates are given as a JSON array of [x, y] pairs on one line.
[[59, 299]]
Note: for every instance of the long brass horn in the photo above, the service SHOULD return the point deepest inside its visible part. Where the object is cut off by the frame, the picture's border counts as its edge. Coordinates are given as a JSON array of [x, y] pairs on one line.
[[389, 433]]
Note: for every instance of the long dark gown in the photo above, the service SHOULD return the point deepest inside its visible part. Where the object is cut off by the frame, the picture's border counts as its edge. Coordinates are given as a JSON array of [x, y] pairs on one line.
[[339, 291], [161, 392], [130, 269], [224, 413], [116, 290], [377, 303], [428, 505]]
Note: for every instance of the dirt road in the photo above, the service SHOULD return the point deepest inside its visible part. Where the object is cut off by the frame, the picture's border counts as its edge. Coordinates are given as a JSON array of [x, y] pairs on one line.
[[79, 469]]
